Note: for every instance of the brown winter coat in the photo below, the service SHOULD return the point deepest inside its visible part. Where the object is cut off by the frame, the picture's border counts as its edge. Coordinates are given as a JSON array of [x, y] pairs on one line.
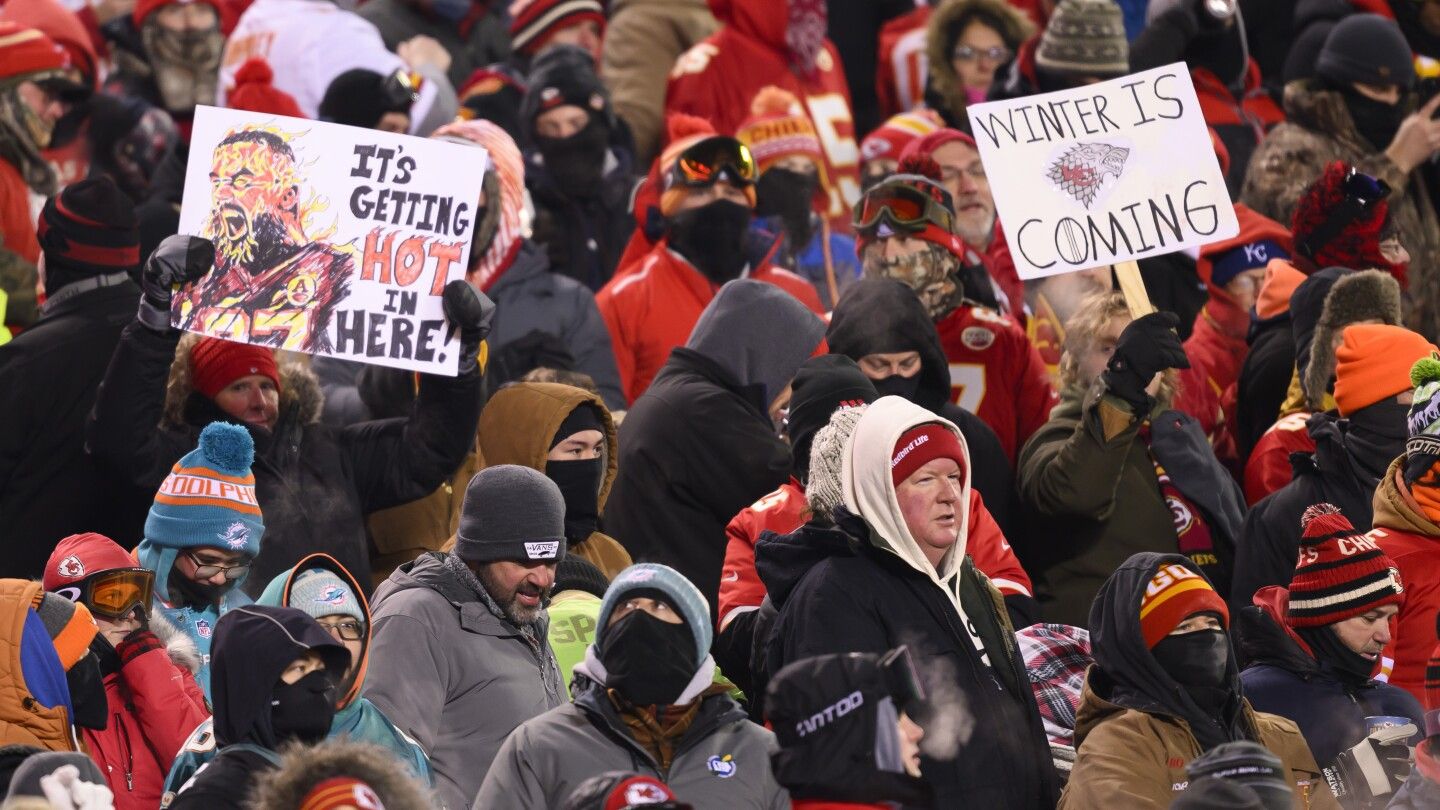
[[941, 33], [1318, 131], [515, 428], [23, 721], [1136, 760], [642, 41]]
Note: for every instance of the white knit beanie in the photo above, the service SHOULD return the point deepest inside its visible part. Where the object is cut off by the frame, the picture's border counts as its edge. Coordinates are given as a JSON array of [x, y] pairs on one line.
[[823, 490]]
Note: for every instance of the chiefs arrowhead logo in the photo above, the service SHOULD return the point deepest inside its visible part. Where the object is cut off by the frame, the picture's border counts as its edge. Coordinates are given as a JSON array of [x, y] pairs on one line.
[[71, 567]]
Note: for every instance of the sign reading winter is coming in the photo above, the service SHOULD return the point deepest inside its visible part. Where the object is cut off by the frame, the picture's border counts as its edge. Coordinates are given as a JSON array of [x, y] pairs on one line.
[[1106, 172], [329, 239]]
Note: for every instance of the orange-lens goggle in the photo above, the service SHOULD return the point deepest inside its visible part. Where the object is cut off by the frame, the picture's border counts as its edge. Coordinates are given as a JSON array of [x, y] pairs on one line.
[[904, 207], [114, 594], [715, 159]]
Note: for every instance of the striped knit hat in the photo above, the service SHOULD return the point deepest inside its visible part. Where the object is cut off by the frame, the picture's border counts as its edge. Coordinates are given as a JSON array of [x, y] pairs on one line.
[[1341, 573], [89, 229], [1175, 594], [208, 500], [778, 128], [69, 624], [533, 22]]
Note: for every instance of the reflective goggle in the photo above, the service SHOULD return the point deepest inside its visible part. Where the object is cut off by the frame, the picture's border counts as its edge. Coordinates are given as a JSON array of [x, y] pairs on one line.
[[712, 160], [905, 208], [113, 594]]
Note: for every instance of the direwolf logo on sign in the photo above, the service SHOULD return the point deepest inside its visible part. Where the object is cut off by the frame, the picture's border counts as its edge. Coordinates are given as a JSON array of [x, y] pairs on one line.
[[1080, 173], [723, 767], [543, 550]]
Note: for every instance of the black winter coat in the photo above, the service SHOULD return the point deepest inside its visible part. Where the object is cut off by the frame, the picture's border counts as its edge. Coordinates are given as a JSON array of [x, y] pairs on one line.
[[227, 780], [836, 593], [1270, 539], [582, 237], [694, 451], [1264, 380], [49, 488], [315, 483]]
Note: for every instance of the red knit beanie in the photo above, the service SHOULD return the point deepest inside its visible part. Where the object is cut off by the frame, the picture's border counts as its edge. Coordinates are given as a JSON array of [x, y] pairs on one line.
[[921, 445], [255, 91], [1174, 594], [215, 363], [1341, 573], [1357, 244]]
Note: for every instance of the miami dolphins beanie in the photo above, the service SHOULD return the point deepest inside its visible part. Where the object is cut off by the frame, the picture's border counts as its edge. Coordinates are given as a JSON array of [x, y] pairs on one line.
[[319, 592], [208, 500]]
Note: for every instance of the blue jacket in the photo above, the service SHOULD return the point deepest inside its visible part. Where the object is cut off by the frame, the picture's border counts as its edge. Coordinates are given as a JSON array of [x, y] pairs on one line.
[[809, 262], [1284, 678]]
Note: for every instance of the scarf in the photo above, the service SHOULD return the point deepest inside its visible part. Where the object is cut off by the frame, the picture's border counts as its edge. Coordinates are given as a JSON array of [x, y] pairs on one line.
[[1192, 533], [659, 732], [805, 35]]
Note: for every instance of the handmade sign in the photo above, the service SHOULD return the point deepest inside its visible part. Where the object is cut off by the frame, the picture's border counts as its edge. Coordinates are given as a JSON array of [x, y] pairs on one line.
[[1106, 172], [329, 239]]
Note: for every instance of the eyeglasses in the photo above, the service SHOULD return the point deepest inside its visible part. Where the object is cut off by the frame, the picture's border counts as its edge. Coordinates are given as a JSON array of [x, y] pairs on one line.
[[349, 630], [114, 594], [904, 207], [712, 160], [208, 570], [965, 53]]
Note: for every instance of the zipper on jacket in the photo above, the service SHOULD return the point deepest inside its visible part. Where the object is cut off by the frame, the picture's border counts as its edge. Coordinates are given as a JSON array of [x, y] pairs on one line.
[[129, 756]]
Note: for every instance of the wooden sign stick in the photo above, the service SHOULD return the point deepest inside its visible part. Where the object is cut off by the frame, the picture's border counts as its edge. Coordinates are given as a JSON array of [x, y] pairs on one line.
[[1133, 286]]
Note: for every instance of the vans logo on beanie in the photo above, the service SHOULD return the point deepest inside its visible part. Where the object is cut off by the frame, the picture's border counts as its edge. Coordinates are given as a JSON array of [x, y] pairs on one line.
[[546, 550]]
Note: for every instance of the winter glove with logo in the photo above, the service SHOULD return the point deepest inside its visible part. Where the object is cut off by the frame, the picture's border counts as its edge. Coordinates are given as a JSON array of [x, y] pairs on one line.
[[179, 260], [1147, 347], [1373, 768], [470, 311]]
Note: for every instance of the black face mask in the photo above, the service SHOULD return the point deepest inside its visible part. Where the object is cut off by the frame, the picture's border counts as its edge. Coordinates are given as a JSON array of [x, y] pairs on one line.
[[647, 660], [1376, 435], [87, 693], [1342, 661], [303, 710], [578, 162], [1376, 121], [1198, 659], [789, 196], [898, 385], [712, 237], [199, 594], [579, 483]]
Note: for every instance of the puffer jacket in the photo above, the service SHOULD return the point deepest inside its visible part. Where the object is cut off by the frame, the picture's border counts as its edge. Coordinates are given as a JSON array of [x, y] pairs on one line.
[[35, 706], [721, 761], [1412, 539], [1319, 130], [315, 483]]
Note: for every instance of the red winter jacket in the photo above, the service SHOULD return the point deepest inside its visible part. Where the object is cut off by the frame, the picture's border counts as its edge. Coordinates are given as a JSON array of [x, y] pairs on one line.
[[651, 309], [783, 511], [719, 77], [900, 69], [1412, 540], [996, 374], [1268, 468]]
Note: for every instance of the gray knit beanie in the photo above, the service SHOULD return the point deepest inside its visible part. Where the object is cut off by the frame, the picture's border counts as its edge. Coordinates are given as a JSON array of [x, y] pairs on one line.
[[1085, 38], [511, 513], [824, 490], [319, 592]]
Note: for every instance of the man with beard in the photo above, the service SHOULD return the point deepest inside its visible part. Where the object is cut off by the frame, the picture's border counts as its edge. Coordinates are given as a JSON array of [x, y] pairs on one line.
[[577, 166], [167, 54], [793, 191], [271, 283], [906, 232], [708, 196], [459, 653]]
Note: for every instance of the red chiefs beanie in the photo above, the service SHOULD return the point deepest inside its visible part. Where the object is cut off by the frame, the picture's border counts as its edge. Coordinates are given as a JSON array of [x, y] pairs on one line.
[[215, 363], [927, 144], [919, 446], [81, 555], [1174, 594], [255, 91], [1341, 573]]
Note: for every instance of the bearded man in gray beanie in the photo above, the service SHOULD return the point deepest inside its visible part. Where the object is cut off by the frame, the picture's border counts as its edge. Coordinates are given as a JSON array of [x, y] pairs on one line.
[[459, 652]]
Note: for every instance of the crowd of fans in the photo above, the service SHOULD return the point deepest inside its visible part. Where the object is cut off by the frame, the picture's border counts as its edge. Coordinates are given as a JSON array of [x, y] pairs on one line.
[[764, 480]]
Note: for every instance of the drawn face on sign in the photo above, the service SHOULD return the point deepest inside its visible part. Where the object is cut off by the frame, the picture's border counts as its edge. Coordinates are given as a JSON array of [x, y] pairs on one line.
[[253, 194]]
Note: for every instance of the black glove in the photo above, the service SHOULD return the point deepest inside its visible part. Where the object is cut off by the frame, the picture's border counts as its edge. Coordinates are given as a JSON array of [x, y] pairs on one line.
[[1146, 347], [179, 260], [470, 311], [1373, 768]]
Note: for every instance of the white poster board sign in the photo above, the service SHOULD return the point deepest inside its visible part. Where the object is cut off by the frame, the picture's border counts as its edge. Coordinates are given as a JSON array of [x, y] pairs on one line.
[[1111, 171], [329, 239]]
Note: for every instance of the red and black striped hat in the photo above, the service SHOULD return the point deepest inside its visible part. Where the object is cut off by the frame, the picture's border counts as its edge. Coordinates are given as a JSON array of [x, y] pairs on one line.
[[88, 229], [1341, 573]]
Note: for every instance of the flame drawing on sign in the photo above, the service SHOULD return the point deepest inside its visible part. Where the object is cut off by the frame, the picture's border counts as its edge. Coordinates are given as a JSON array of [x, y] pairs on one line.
[[1082, 169]]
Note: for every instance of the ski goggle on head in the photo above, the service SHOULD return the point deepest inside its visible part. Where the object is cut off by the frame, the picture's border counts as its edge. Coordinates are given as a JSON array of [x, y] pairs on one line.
[[712, 160], [113, 594], [903, 207]]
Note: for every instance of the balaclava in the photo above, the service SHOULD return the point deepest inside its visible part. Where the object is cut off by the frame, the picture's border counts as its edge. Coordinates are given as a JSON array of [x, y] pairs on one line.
[[579, 480], [649, 661]]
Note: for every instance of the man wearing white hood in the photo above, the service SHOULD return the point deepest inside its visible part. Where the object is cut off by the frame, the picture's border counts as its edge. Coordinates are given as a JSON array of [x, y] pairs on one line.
[[889, 567]]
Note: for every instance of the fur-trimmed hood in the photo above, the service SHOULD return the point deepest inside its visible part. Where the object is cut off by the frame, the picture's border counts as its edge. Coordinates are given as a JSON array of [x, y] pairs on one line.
[[300, 395], [1363, 296], [944, 28], [303, 767], [181, 649]]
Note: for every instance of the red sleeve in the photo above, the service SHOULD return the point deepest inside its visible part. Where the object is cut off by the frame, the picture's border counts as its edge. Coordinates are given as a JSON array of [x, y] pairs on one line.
[[168, 703], [17, 225], [991, 552], [1268, 468], [1001, 267], [782, 512], [610, 312], [793, 284]]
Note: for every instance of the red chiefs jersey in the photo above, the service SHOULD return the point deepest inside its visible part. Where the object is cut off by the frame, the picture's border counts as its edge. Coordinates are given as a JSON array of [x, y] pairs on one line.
[[719, 77], [651, 310], [1413, 638], [902, 65], [784, 510], [996, 374], [1268, 468]]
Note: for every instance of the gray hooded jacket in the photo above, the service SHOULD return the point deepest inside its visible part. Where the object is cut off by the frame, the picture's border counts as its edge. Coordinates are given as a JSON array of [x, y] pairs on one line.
[[452, 674]]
